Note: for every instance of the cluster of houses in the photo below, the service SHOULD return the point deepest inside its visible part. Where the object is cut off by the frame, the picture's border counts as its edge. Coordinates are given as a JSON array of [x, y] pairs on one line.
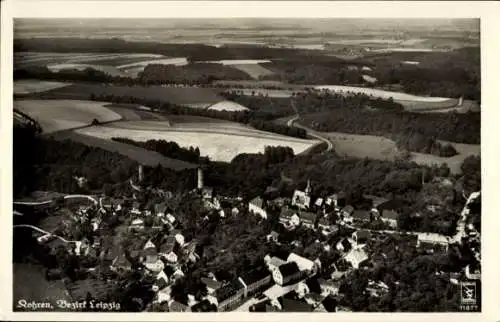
[[325, 213], [286, 282]]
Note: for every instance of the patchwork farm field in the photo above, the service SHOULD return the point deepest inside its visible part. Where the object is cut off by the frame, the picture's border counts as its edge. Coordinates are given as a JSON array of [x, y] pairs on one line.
[[143, 156], [57, 115], [219, 141], [28, 86], [186, 96]]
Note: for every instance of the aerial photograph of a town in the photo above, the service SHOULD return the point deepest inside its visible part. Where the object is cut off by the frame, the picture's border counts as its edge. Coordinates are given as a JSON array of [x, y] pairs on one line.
[[246, 165]]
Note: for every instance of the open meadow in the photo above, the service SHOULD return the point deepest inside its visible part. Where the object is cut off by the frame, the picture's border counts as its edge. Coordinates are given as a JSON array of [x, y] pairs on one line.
[[27, 86], [57, 115], [363, 146]]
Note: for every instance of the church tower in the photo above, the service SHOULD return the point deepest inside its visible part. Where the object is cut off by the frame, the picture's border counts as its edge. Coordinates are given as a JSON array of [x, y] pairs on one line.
[[308, 188]]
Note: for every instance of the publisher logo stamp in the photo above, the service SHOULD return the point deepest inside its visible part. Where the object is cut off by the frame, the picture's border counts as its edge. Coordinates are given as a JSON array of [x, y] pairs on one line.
[[468, 296]]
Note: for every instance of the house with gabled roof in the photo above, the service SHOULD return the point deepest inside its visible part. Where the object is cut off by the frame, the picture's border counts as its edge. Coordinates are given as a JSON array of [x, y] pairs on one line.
[[256, 280], [160, 209], [175, 306], [361, 216], [272, 237], [211, 284], [361, 236], [169, 249], [286, 273], [307, 219], [356, 256], [121, 263], [256, 206], [229, 296]]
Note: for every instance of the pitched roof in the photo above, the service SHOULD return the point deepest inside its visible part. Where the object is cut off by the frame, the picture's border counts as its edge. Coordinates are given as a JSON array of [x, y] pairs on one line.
[[169, 245], [257, 201], [313, 285], [276, 261], [307, 217], [302, 262], [161, 283], [363, 234], [348, 209], [330, 304], [286, 213], [289, 269], [390, 214], [361, 214], [204, 306], [290, 305], [281, 254], [178, 307], [356, 255], [210, 283], [160, 207], [228, 290], [255, 275], [149, 252]]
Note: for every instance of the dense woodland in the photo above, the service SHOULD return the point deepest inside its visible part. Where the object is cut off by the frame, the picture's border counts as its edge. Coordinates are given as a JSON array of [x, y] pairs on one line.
[[194, 52], [454, 127], [196, 74], [168, 149]]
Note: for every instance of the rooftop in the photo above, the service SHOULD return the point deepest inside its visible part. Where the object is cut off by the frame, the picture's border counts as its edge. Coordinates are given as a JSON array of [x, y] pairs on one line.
[[257, 201], [289, 269]]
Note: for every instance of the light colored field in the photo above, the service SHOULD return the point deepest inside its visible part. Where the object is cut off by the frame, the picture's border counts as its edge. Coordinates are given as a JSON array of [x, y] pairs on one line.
[[254, 70], [363, 146], [36, 86], [42, 58], [57, 115], [467, 106], [227, 106], [397, 96], [127, 114], [239, 61], [178, 61], [80, 67], [220, 144]]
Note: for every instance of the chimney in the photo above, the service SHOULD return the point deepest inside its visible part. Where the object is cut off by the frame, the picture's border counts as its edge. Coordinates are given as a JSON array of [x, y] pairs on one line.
[[200, 178], [141, 172]]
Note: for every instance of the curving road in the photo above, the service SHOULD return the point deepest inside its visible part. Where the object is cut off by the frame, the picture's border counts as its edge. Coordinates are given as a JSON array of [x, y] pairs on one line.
[[41, 203], [312, 133], [42, 231]]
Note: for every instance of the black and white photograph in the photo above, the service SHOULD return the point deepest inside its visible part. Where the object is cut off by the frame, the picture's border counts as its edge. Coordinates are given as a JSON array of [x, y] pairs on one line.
[[321, 165]]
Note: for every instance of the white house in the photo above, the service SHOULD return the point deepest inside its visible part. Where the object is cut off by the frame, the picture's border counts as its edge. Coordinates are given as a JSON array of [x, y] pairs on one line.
[[356, 256], [256, 206], [301, 200]]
